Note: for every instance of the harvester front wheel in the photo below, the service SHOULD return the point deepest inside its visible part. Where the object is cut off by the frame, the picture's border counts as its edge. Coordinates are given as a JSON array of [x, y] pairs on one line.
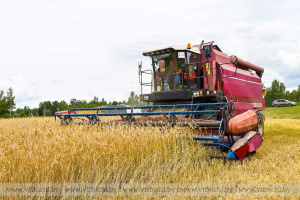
[[261, 123]]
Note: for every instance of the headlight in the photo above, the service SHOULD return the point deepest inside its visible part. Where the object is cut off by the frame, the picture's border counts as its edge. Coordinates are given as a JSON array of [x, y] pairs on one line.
[[196, 94]]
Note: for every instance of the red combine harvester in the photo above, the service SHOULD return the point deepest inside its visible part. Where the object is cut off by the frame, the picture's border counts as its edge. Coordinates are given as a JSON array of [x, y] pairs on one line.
[[200, 86]]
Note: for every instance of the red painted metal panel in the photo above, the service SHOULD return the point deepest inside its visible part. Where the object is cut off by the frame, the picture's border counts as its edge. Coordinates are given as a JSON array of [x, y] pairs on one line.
[[64, 112], [254, 140], [242, 152], [244, 86], [242, 107], [240, 148], [217, 57]]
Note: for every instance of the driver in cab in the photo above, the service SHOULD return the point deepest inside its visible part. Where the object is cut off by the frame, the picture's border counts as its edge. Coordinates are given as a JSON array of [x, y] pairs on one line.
[[173, 71]]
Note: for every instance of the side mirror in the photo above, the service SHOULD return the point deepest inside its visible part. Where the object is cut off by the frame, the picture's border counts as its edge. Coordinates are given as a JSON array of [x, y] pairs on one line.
[[140, 65], [207, 51], [140, 69]]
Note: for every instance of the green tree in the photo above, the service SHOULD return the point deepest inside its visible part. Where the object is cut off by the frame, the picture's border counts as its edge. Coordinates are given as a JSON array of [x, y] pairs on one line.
[[114, 103], [103, 102], [10, 98], [27, 111], [48, 113], [3, 105], [22, 114], [276, 91], [62, 105], [133, 100], [35, 112], [43, 106], [95, 100], [7, 103], [54, 107], [73, 102]]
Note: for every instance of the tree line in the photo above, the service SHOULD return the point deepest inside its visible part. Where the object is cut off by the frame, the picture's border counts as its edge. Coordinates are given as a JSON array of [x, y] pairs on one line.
[[48, 108]]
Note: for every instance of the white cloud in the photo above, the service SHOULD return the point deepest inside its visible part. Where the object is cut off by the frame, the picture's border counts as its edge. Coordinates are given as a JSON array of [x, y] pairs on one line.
[[291, 89], [290, 58]]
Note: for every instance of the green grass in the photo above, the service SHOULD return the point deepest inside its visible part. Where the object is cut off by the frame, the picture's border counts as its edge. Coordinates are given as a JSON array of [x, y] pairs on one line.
[[292, 112]]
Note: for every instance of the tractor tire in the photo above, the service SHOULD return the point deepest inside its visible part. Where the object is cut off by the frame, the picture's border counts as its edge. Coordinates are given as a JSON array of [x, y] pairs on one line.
[[260, 124]]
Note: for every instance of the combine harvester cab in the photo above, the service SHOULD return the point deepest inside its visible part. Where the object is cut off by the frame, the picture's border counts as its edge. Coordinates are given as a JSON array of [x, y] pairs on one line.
[[200, 86]]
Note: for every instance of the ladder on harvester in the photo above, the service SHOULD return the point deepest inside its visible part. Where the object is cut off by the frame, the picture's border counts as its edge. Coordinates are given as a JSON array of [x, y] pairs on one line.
[[148, 72]]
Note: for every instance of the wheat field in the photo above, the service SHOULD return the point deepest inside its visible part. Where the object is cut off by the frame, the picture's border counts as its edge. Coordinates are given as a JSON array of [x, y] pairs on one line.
[[40, 150]]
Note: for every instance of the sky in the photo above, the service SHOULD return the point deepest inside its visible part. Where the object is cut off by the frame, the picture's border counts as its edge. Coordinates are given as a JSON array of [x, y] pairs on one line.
[[63, 49]]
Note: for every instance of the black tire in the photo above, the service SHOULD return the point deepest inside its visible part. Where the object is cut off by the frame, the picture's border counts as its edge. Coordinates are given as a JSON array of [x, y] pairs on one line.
[[275, 105], [290, 104], [260, 124]]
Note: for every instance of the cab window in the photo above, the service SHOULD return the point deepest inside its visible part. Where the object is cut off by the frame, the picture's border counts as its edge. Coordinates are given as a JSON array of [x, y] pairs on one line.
[[173, 69]]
